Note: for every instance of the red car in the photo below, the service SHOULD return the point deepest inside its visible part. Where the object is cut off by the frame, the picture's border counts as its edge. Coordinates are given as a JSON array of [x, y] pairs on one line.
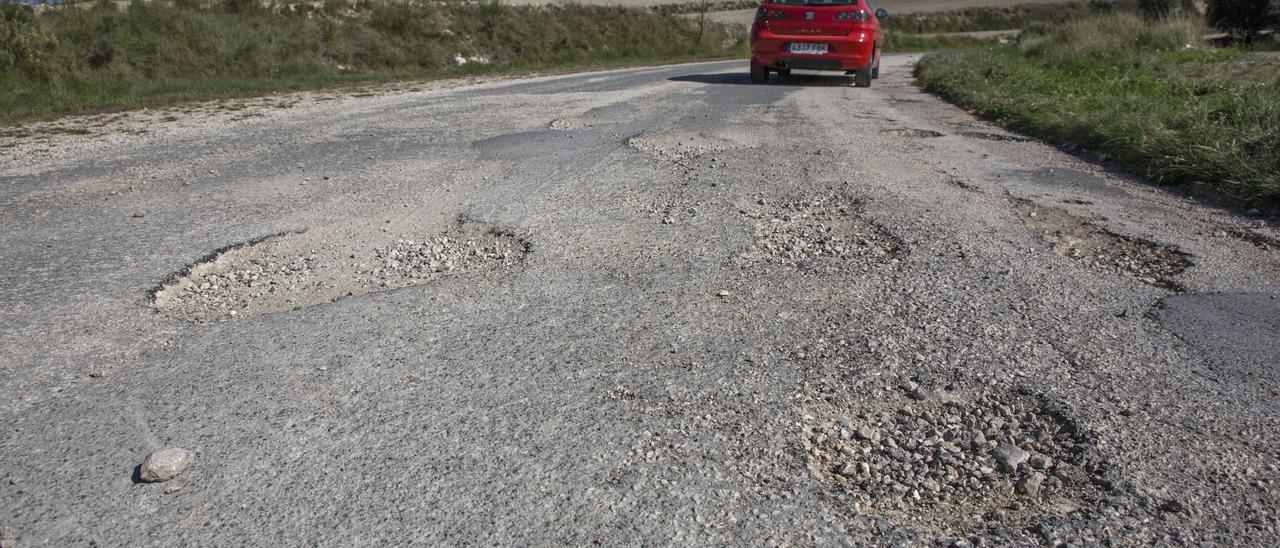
[[816, 35]]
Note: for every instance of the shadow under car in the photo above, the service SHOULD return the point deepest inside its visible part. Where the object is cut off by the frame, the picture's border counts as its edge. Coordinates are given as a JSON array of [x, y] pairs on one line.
[[795, 79]]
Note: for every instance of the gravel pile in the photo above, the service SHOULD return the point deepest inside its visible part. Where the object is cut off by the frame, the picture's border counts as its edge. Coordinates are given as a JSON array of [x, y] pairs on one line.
[[439, 254], [802, 232], [1147, 262], [936, 452]]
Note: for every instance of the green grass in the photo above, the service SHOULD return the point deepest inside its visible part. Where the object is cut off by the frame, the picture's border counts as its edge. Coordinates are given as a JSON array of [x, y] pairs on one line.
[[94, 57], [1144, 94]]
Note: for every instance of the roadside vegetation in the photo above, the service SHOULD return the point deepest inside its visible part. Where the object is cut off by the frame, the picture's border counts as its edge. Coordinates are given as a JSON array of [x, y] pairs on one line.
[[948, 30], [898, 42], [1146, 92], [99, 56], [988, 18]]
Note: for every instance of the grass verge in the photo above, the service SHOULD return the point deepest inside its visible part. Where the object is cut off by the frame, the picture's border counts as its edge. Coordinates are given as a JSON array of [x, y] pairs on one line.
[[1146, 95], [100, 56]]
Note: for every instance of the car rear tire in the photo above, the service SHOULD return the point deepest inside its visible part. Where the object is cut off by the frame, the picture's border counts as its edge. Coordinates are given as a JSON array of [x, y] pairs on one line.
[[862, 77], [759, 74]]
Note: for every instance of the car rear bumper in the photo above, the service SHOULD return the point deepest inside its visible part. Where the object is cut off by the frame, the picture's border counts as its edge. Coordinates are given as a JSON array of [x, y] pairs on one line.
[[843, 52]]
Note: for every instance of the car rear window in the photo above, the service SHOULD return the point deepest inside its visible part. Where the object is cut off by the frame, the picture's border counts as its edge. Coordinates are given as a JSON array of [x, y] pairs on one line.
[[815, 2]]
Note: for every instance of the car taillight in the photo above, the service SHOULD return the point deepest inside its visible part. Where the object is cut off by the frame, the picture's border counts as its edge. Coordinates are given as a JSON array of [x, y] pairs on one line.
[[765, 13], [856, 15]]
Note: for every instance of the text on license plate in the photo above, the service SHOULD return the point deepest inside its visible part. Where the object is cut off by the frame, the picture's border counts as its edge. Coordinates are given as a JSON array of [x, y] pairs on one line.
[[807, 48]]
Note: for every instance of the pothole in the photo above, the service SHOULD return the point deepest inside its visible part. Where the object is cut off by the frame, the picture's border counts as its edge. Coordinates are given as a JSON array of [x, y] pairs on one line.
[[290, 271], [988, 136], [1073, 237], [568, 124], [1260, 241], [809, 232], [963, 184], [954, 459], [678, 147], [910, 133]]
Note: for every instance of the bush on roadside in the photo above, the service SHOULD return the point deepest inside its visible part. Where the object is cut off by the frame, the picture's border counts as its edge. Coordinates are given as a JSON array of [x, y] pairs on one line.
[[23, 43], [1156, 10], [1244, 18]]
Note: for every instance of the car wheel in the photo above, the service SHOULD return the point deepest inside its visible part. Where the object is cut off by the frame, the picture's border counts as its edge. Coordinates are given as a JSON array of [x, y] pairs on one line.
[[759, 74], [875, 71], [862, 77]]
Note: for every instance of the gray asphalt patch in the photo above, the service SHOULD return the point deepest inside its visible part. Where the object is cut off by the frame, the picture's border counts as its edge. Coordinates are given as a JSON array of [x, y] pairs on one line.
[[1236, 332], [1060, 179]]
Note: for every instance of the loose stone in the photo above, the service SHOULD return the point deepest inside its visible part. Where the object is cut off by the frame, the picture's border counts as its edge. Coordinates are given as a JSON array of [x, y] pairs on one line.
[[164, 465], [1010, 456]]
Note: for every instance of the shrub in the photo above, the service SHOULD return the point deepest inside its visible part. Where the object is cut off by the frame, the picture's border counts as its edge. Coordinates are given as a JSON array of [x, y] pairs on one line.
[[1244, 18], [1102, 6], [1156, 10], [23, 41]]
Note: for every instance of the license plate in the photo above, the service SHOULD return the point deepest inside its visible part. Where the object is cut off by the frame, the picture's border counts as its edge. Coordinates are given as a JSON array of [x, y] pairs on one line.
[[802, 48]]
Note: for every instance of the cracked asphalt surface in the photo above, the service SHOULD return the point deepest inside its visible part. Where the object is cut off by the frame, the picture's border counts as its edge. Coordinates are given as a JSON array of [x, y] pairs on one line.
[[717, 279]]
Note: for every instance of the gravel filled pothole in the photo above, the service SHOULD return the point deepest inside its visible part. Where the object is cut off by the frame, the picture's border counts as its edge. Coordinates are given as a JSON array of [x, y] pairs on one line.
[[989, 136], [678, 147], [910, 133], [809, 232], [1073, 237], [949, 457], [568, 124], [292, 271]]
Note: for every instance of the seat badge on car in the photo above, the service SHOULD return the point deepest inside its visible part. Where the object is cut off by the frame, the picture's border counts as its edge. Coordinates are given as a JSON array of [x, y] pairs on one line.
[[808, 15]]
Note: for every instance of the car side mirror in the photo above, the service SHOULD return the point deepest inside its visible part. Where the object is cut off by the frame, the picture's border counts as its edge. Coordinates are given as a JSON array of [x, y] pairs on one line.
[[881, 14]]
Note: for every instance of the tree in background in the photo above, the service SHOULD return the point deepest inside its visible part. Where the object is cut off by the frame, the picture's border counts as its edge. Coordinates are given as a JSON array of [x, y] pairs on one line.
[[1157, 10], [1244, 18]]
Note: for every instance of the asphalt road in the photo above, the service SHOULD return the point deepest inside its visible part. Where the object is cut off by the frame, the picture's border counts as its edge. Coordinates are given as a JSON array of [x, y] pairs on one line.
[[693, 310]]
